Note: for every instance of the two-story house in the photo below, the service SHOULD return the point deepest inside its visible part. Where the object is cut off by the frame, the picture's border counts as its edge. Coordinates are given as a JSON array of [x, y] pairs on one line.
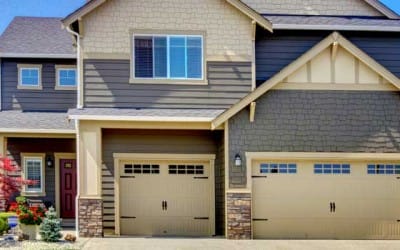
[[38, 86], [249, 119]]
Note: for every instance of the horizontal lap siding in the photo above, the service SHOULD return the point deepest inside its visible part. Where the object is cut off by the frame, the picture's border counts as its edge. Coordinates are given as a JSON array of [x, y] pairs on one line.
[[276, 51], [152, 141], [316, 121], [107, 85], [16, 146], [46, 99]]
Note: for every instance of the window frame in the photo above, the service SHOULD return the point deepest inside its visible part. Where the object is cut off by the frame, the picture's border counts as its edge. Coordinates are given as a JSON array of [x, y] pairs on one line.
[[25, 190], [158, 33], [37, 67], [58, 68]]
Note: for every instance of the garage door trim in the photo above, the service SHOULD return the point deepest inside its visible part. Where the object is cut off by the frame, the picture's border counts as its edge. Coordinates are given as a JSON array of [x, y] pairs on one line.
[[118, 157]]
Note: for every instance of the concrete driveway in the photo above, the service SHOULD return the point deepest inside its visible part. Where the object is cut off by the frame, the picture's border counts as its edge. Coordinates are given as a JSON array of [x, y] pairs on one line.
[[219, 243]]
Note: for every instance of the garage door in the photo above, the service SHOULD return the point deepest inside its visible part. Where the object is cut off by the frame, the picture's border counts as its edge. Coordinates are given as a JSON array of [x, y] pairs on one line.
[[325, 199], [166, 198]]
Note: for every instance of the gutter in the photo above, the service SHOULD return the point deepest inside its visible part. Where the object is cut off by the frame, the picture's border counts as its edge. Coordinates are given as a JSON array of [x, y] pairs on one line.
[[78, 67], [336, 27]]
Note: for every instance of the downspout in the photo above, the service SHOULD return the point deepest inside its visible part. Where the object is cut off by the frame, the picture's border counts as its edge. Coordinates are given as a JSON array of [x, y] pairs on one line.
[[77, 138], [1, 88], [79, 104]]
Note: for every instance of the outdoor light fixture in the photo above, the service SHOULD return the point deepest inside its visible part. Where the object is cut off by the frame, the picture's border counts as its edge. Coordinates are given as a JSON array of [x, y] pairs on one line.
[[49, 161], [238, 160]]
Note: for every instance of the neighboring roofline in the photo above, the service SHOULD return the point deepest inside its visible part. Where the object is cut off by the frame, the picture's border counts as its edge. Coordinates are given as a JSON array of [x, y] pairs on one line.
[[37, 55], [336, 27], [37, 131], [383, 9], [93, 4], [334, 38], [139, 118]]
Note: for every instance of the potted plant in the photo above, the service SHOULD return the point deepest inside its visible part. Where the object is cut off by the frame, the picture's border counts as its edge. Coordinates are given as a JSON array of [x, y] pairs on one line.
[[29, 217]]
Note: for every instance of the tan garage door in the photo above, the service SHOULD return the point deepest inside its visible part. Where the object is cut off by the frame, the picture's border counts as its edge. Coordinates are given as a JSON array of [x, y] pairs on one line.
[[317, 199], [166, 198]]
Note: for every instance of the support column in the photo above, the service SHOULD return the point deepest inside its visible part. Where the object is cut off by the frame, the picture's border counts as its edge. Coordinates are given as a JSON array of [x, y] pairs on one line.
[[239, 215], [90, 202]]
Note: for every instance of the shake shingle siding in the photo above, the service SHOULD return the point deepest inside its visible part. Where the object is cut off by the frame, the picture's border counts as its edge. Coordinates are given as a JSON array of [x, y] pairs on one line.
[[276, 51], [316, 121], [45, 99], [107, 86]]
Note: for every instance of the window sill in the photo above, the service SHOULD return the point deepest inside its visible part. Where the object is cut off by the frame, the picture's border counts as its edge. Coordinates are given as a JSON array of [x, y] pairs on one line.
[[168, 81], [33, 194], [29, 87], [64, 88]]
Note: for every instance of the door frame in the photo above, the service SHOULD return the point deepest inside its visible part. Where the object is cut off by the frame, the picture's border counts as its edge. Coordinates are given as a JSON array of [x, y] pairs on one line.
[[57, 157], [306, 156], [118, 157]]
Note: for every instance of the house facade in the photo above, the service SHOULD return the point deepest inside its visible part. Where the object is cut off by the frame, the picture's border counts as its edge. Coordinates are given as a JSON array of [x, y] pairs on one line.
[[249, 119], [38, 86]]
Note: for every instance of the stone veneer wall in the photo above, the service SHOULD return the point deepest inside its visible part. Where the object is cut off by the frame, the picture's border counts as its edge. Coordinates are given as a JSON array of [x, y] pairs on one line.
[[90, 218], [239, 215]]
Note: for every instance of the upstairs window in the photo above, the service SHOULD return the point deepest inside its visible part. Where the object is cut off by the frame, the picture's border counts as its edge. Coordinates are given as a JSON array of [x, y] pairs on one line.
[[66, 77], [29, 77], [168, 57]]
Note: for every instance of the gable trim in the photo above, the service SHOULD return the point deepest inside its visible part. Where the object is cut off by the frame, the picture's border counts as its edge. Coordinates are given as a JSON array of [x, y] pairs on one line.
[[383, 9], [93, 4], [333, 38]]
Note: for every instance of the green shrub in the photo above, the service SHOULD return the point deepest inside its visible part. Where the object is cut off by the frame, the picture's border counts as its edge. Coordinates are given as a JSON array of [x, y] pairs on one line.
[[4, 217], [3, 226]]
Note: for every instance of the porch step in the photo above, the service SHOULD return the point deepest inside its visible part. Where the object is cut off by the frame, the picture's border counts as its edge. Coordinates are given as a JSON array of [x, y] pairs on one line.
[[68, 223]]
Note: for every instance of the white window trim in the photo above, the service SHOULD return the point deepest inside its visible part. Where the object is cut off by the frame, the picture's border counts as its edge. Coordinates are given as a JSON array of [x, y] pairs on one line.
[[29, 66], [24, 157], [186, 81], [60, 87]]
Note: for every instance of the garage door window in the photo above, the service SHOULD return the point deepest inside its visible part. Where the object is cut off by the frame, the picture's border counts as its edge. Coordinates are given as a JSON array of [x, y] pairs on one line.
[[327, 168], [141, 169], [278, 168], [185, 169], [383, 169]]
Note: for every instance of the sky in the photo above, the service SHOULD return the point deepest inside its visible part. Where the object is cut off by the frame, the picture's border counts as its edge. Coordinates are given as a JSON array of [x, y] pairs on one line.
[[61, 8]]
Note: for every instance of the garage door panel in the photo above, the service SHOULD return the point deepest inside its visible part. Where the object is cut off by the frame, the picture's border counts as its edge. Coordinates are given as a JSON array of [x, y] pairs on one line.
[[367, 208], [292, 228], [346, 228]]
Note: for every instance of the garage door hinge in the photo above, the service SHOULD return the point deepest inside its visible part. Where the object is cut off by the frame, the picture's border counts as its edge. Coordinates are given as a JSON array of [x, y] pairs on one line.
[[128, 217], [197, 177], [128, 177], [201, 218], [259, 176], [260, 219]]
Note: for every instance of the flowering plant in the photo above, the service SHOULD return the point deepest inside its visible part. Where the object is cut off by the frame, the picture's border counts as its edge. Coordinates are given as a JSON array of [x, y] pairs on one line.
[[27, 215]]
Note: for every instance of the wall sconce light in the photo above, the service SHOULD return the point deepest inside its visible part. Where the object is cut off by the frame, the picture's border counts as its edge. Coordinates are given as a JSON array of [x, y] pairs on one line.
[[238, 160], [49, 161]]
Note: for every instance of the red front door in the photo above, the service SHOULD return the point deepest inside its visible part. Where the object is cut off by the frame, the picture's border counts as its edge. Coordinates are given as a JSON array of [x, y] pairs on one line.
[[67, 187]]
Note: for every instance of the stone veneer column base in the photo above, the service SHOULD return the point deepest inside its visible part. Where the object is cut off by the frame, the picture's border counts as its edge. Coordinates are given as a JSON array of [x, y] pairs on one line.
[[239, 215], [90, 217]]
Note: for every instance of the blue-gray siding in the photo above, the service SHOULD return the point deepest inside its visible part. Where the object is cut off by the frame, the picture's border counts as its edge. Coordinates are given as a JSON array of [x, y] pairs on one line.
[[46, 99], [107, 86], [316, 121], [277, 50]]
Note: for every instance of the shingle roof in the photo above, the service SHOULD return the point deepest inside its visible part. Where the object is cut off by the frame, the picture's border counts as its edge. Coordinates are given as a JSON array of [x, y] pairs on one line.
[[19, 120], [36, 36], [144, 114], [332, 23]]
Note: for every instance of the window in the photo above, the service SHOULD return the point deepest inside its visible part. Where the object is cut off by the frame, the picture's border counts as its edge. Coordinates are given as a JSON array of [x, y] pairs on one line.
[[168, 57], [186, 169], [278, 168], [34, 170], [66, 77], [329, 168], [383, 168], [29, 76], [141, 169]]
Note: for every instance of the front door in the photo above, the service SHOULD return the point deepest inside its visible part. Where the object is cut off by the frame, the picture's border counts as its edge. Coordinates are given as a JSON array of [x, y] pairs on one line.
[[67, 187]]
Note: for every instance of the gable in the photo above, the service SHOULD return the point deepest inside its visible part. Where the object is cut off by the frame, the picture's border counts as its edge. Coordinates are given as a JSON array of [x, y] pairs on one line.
[[333, 42], [315, 7], [335, 69]]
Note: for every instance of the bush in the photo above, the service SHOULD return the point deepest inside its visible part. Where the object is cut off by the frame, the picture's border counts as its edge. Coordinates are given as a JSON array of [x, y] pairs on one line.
[[51, 227], [3, 226], [4, 217]]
